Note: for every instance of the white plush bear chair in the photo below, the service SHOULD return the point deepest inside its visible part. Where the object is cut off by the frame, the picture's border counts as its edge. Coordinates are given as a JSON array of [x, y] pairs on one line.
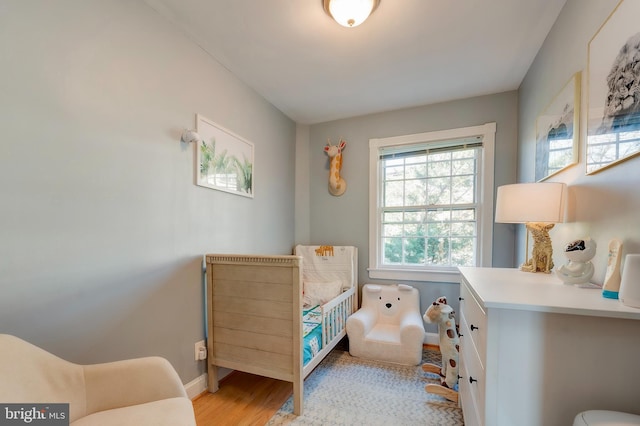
[[388, 327]]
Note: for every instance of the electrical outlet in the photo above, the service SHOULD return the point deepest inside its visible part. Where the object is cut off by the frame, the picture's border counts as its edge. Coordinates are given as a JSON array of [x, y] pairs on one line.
[[200, 351]]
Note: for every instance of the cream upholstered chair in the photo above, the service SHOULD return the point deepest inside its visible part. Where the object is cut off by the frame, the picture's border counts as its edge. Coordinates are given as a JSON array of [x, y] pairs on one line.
[[388, 327], [143, 391]]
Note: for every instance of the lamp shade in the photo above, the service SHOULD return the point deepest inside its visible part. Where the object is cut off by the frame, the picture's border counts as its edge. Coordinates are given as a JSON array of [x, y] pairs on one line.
[[531, 202], [350, 13]]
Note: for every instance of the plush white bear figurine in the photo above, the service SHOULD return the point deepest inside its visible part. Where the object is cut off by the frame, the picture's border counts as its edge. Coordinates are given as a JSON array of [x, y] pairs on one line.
[[442, 314]]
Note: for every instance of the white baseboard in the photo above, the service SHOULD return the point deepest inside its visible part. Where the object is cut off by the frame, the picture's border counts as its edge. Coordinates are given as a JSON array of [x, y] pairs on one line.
[[196, 386], [432, 339]]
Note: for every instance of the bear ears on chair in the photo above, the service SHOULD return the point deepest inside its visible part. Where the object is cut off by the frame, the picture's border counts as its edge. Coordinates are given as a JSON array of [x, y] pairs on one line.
[[374, 288]]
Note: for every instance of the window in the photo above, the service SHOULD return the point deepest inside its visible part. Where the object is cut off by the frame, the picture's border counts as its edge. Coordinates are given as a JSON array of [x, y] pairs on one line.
[[609, 147], [431, 203], [560, 150]]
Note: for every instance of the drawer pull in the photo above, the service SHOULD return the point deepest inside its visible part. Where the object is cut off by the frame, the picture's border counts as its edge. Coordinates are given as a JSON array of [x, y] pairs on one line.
[[471, 380], [460, 299], [473, 327]]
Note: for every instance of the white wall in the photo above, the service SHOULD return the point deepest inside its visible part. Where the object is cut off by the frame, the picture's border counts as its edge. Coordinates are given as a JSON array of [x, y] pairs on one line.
[[344, 220], [604, 205], [102, 229]]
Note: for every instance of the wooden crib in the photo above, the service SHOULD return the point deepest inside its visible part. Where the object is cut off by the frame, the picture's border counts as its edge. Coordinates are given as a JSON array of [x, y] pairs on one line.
[[255, 306]]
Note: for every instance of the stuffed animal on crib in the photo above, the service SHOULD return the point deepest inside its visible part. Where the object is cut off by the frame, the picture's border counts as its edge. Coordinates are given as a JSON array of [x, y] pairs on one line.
[[442, 314]]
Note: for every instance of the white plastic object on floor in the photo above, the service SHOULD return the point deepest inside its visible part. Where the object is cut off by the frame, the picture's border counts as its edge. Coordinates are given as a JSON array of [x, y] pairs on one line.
[[605, 418]]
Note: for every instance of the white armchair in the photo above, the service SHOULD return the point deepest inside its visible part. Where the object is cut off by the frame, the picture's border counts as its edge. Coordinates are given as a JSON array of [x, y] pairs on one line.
[[143, 391], [388, 327]]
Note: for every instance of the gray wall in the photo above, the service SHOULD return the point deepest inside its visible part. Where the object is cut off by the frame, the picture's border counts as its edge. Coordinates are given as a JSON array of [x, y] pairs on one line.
[[604, 205], [102, 229], [345, 219], [302, 203]]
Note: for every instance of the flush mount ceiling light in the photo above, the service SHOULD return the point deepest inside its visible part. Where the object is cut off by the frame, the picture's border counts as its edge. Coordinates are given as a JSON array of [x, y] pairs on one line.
[[350, 13]]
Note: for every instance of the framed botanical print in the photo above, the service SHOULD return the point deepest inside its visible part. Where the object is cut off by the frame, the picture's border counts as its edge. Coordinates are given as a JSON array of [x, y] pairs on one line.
[[224, 160]]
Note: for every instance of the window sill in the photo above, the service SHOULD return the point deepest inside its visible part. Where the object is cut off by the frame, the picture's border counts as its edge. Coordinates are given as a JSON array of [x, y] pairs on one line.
[[415, 275]]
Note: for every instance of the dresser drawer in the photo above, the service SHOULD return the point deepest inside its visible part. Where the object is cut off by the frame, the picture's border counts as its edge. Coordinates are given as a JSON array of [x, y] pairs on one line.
[[476, 320], [471, 384], [467, 398]]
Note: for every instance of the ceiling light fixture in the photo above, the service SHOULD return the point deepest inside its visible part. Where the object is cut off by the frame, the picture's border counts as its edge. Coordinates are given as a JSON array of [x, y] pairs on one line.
[[350, 13]]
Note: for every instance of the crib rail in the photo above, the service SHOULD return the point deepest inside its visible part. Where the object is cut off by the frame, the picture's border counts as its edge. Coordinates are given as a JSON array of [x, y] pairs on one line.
[[334, 321], [334, 317]]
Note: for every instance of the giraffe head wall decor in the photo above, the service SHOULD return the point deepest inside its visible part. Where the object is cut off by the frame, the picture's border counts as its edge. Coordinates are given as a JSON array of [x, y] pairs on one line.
[[337, 185]]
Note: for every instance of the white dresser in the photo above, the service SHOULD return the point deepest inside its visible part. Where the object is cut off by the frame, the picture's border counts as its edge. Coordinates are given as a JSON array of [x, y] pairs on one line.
[[535, 351]]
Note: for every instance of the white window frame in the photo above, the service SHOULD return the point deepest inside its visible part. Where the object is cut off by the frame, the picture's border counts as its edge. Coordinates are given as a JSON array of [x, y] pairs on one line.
[[485, 211]]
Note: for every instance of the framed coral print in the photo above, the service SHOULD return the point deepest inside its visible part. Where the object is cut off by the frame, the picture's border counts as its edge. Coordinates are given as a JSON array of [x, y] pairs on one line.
[[224, 160], [557, 131], [613, 115]]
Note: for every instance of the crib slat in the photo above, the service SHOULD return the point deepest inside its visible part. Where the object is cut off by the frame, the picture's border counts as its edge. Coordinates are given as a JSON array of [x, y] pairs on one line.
[[276, 274], [258, 341], [255, 308], [281, 364], [270, 326], [258, 290]]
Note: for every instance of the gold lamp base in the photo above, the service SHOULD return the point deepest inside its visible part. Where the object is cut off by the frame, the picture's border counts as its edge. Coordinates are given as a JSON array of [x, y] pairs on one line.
[[542, 255]]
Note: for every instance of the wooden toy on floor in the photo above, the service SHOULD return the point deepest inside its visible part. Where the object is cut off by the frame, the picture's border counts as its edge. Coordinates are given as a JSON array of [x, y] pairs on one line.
[[442, 314]]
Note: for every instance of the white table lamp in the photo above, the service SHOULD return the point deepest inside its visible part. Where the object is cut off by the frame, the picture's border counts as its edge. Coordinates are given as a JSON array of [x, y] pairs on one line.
[[539, 206]]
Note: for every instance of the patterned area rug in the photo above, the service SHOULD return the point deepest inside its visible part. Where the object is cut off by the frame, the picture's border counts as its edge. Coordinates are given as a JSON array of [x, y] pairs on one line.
[[348, 391]]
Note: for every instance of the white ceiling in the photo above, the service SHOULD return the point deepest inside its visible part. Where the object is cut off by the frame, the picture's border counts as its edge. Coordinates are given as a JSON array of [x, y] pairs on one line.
[[408, 53]]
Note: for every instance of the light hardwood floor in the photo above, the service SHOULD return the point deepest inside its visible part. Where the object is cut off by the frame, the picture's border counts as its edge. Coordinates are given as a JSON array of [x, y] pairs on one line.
[[243, 399], [246, 400]]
